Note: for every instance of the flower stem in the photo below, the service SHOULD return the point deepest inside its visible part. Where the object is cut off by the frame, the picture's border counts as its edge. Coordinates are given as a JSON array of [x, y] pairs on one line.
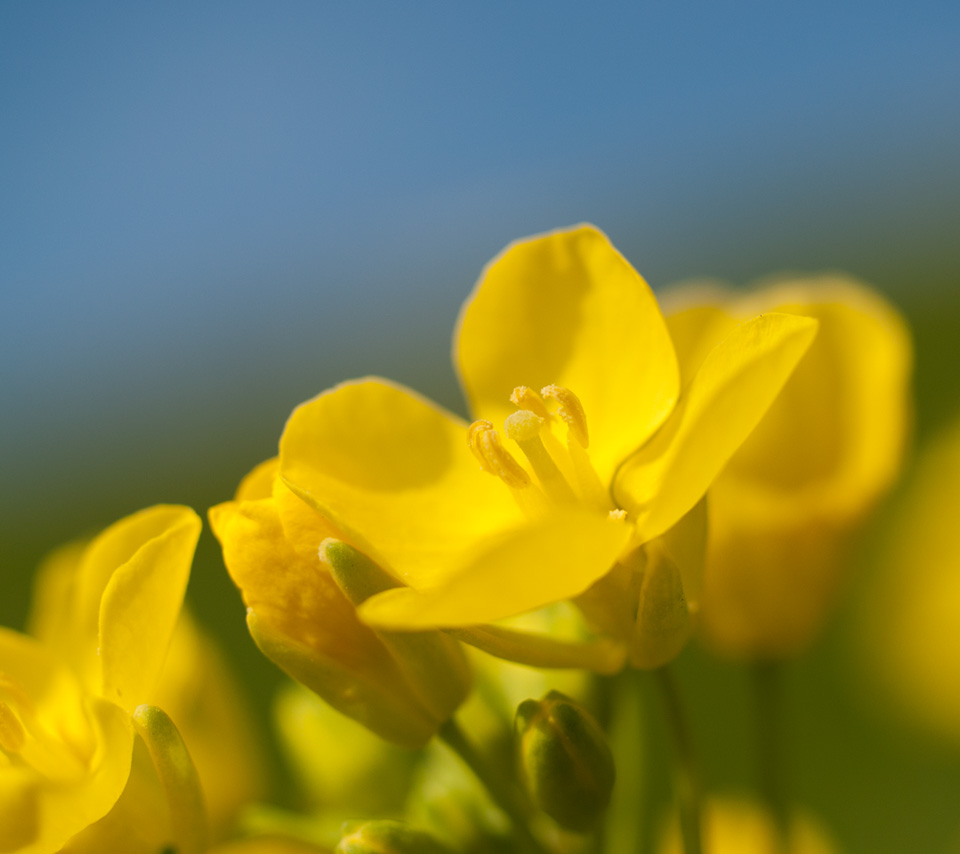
[[768, 692], [502, 790], [687, 777]]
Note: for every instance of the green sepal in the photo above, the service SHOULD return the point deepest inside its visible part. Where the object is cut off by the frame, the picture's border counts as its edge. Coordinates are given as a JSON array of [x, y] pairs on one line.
[[566, 762], [387, 837], [178, 776], [663, 624], [433, 663]]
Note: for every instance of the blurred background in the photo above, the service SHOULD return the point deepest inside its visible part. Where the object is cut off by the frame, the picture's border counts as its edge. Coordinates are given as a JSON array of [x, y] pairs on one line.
[[211, 212]]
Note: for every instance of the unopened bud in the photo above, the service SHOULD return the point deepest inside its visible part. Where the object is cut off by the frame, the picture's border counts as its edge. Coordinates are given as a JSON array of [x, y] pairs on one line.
[[566, 762], [387, 837], [432, 663]]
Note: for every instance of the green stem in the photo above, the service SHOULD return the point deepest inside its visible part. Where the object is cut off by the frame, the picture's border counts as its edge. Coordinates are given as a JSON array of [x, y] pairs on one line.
[[768, 691], [503, 791], [687, 777]]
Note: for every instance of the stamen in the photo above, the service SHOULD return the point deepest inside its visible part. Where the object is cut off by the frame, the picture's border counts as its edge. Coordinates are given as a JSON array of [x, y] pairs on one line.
[[523, 427], [493, 457], [570, 410], [12, 734], [524, 397]]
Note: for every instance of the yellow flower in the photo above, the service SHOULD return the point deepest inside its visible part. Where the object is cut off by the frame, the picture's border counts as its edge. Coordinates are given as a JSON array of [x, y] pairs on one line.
[[783, 511], [302, 620], [604, 449], [737, 826], [195, 687], [70, 700], [911, 612]]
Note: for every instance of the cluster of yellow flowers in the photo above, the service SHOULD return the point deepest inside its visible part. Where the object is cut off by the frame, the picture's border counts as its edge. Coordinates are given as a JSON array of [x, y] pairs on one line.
[[631, 478]]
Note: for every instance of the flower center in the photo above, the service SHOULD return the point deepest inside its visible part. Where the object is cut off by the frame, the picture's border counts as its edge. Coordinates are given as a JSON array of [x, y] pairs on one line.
[[562, 471]]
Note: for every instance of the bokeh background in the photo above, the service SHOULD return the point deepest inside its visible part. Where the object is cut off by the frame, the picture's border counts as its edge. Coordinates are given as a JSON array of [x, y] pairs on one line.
[[211, 212]]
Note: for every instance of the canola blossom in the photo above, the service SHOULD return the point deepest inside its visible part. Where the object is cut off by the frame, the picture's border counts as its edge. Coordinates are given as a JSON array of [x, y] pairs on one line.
[[786, 507], [70, 696], [586, 443], [452, 597], [909, 613]]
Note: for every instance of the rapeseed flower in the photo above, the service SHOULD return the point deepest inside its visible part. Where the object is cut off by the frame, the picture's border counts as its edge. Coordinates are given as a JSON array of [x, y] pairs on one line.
[[741, 826], [72, 698], [563, 346], [784, 511], [911, 610]]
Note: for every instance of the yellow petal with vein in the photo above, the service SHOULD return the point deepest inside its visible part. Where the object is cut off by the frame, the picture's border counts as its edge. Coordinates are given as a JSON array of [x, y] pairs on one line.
[[734, 387], [142, 600]]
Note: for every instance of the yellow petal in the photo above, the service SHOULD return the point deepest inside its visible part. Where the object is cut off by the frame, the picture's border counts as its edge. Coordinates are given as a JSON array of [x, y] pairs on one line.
[[844, 415], [259, 482], [834, 438], [696, 327], [67, 809], [519, 570], [394, 473], [734, 387], [303, 527], [292, 593], [85, 748], [19, 808], [304, 624], [53, 611], [198, 690], [567, 308], [142, 599]]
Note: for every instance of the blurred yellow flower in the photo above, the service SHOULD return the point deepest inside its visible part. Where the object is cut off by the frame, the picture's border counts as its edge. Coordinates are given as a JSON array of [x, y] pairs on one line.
[[733, 826], [783, 510], [562, 342], [195, 688], [911, 613], [69, 698], [304, 623]]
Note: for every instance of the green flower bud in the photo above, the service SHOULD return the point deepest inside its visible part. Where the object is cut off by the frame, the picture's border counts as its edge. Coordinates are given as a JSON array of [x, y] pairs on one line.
[[433, 663], [566, 762], [387, 837]]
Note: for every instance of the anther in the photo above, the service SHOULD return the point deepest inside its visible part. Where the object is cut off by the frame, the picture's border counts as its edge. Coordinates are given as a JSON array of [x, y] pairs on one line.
[[493, 457], [524, 397], [570, 410], [12, 735]]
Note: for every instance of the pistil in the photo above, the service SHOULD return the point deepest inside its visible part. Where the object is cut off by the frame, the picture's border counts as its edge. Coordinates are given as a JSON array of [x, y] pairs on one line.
[[523, 427]]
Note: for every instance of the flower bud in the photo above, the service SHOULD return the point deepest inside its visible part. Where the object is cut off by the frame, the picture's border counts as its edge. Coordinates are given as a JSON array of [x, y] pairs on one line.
[[387, 837], [433, 663], [566, 762]]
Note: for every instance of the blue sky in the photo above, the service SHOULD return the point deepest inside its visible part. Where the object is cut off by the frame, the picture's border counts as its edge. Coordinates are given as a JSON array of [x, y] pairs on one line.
[[212, 211]]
